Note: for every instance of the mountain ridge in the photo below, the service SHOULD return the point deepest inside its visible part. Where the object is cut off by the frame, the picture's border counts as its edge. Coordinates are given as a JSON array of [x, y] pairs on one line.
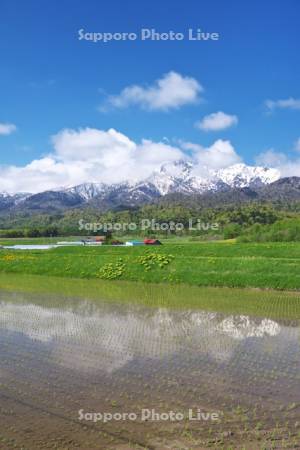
[[179, 177]]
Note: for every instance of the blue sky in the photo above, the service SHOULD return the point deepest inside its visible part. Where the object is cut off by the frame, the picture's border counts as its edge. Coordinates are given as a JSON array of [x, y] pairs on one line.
[[50, 81]]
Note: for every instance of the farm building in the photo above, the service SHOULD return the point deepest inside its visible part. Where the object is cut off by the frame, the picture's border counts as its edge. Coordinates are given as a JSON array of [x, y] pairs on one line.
[[152, 242], [100, 238]]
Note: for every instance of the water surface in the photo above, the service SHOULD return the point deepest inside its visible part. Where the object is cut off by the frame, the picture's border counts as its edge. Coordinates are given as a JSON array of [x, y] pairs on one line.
[[59, 355]]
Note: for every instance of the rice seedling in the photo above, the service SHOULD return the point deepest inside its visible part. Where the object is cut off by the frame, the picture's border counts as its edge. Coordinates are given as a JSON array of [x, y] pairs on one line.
[[147, 350]]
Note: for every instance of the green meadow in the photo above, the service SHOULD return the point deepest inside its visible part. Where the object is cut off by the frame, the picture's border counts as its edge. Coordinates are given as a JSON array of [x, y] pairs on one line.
[[229, 264]]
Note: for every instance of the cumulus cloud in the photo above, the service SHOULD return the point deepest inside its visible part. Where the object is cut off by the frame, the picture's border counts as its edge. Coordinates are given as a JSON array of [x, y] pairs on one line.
[[7, 128], [219, 155], [88, 155], [288, 103], [287, 166], [271, 158], [93, 145], [109, 156], [169, 92], [291, 168], [217, 121], [93, 155], [297, 145]]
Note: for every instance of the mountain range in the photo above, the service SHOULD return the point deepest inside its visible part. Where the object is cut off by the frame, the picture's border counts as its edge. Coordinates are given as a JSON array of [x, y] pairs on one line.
[[178, 178]]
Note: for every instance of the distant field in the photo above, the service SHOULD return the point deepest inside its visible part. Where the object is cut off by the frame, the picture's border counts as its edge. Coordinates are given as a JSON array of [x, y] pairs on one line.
[[265, 265], [173, 239]]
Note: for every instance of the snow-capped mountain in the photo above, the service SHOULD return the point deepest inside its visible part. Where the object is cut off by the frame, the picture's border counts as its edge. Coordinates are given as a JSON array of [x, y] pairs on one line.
[[180, 177], [176, 177], [241, 175], [87, 191], [10, 200]]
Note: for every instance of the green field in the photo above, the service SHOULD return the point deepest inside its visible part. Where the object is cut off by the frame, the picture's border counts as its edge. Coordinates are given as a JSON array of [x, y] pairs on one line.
[[264, 265], [220, 320], [263, 303]]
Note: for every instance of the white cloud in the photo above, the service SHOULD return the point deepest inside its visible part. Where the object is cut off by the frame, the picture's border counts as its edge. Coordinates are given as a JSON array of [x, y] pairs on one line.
[[288, 167], [169, 92], [288, 103], [7, 128], [93, 145], [88, 155], [291, 168], [297, 145], [190, 146], [271, 158], [219, 155], [93, 155], [217, 121]]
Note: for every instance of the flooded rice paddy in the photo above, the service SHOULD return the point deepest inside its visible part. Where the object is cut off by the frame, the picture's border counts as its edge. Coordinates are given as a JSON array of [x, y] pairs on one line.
[[61, 355]]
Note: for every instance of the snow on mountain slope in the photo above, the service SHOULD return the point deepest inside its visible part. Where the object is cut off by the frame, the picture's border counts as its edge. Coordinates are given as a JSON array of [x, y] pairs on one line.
[[175, 177], [178, 177], [9, 200], [88, 191], [241, 175]]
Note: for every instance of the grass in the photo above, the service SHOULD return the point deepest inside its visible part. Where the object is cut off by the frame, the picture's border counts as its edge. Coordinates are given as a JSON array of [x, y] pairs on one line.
[[272, 304], [264, 265]]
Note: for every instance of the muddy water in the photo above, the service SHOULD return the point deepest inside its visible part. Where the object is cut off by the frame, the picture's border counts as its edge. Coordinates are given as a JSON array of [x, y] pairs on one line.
[[59, 356]]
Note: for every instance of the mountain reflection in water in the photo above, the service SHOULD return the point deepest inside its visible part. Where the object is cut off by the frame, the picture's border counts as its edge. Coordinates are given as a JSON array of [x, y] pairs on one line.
[[91, 336]]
